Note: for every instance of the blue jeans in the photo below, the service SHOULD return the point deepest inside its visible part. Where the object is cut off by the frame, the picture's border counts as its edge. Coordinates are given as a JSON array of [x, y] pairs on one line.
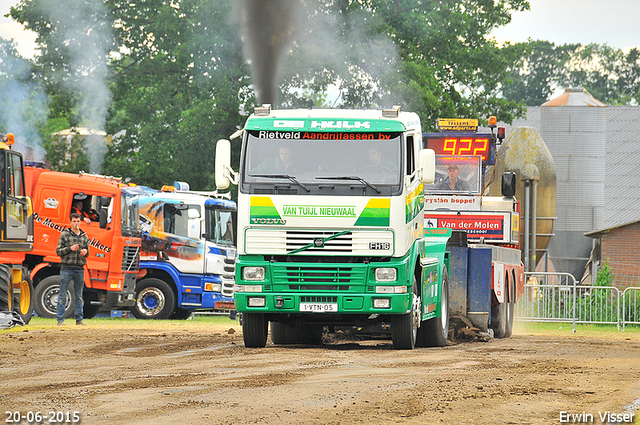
[[66, 277]]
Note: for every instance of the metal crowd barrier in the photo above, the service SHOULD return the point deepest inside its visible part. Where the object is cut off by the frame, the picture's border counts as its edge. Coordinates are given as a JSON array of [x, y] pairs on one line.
[[631, 306], [556, 297]]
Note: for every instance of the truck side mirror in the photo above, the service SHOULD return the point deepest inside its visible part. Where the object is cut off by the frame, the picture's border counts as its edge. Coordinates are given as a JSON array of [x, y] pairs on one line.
[[427, 165], [193, 224], [508, 184], [223, 161], [102, 218]]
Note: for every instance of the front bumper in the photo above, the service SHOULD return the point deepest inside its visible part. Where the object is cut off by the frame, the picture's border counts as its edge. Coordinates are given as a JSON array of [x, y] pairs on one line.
[[322, 288]]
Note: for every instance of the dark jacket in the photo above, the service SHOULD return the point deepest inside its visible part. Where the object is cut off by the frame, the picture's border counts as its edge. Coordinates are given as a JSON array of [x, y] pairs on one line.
[[72, 259]]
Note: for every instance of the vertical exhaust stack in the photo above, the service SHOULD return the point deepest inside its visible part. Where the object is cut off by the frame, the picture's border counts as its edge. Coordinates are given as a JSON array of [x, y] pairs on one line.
[[268, 29]]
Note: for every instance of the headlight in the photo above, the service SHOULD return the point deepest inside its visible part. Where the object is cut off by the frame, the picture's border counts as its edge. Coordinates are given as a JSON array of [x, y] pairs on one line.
[[381, 303], [214, 287], [253, 273], [386, 274], [256, 301]]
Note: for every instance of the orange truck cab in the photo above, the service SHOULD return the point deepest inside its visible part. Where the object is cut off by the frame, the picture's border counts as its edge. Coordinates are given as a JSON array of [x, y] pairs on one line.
[[114, 241]]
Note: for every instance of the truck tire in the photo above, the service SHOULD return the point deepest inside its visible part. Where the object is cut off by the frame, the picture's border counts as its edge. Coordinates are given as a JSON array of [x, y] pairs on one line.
[[46, 298], [511, 310], [404, 327], [23, 302], [502, 315], [435, 332], [5, 281], [254, 330], [154, 300]]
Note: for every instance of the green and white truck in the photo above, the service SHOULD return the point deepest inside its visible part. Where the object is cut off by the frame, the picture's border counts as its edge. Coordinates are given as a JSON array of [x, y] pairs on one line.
[[331, 227]]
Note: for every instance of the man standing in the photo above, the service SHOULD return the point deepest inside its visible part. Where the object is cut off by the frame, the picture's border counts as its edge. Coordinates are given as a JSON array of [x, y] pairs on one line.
[[73, 249]]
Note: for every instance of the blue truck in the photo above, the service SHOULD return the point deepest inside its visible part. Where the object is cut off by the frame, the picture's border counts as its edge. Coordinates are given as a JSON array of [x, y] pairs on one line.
[[188, 254]]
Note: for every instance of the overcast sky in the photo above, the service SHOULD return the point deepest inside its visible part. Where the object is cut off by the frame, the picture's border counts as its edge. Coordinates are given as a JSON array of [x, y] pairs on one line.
[[614, 22]]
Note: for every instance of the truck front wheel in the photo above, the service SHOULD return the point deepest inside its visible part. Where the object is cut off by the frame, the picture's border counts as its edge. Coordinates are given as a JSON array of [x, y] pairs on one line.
[[254, 330], [404, 328], [154, 300], [434, 332], [46, 295]]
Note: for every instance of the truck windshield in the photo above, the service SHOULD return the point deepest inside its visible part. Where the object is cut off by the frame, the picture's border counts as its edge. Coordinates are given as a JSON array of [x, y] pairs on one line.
[[456, 175], [322, 163], [129, 214], [219, 226]]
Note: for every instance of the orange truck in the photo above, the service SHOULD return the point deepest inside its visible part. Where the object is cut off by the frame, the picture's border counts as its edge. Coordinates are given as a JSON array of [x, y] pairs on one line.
[[114, 241]]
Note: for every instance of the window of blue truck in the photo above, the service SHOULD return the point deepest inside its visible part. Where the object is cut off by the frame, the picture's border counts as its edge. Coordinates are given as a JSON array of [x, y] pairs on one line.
[[219, 226], [176, 218], [322, 161]]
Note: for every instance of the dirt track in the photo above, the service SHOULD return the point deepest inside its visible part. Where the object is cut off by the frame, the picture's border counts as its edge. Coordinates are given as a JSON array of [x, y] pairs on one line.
[[195, 373]]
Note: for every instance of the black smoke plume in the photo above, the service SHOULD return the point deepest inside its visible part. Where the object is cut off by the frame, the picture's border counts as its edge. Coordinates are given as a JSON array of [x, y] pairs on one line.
[[269, 27]]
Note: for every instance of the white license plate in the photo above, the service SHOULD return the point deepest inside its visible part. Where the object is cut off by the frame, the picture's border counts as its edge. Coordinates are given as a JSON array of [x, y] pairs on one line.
[[319, 307]]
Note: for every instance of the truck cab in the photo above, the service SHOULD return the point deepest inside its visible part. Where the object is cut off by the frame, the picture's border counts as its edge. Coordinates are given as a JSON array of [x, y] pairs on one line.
[[188, 253], [330, 226], [486, 268], [114, 241]]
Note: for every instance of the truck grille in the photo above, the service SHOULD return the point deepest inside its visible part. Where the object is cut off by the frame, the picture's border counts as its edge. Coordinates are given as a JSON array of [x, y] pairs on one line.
[[299, 239], [130, 258], [228, 286], [312, 277], [281, 241]]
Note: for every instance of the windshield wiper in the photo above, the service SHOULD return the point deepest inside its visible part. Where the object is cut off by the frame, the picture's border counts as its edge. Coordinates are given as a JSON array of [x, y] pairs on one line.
[[281, 176], [356, 178]]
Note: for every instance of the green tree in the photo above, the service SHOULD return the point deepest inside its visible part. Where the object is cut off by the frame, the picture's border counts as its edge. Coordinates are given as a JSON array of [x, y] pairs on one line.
[[538, 72], [178, 89], [609, 74]]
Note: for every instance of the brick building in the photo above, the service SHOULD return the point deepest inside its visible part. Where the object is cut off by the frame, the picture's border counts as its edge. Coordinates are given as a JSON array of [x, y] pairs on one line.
[[620, 246]]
